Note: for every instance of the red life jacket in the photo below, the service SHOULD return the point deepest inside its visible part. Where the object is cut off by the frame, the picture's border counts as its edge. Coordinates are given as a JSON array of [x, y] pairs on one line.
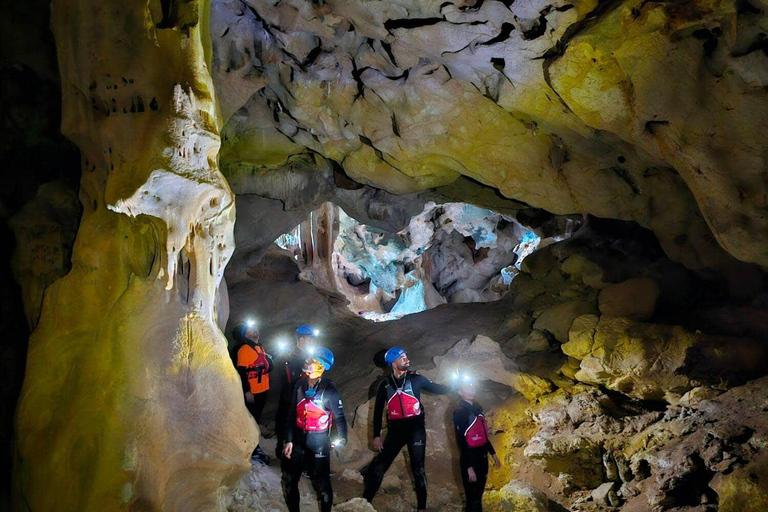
[[401, 402], [311, 416], [476, 434]]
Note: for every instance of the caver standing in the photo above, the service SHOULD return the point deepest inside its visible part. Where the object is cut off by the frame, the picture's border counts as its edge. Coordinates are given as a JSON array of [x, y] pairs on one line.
[[289, 372], [401, 392], [254, 366], [316, 406], [474, 443]]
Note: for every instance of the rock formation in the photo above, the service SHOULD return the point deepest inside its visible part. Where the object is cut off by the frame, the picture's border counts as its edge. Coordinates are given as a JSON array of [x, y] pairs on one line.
[[553, 104], [129, 399], [609, 157]]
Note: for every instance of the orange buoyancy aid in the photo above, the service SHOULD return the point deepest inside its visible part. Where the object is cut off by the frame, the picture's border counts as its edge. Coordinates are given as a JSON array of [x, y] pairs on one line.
[[311, 416], [254, 360], [476, 434], [401, 402]]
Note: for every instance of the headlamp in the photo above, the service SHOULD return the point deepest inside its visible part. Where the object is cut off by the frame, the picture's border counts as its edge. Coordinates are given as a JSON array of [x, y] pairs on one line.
[[464, 377], [250, 323]]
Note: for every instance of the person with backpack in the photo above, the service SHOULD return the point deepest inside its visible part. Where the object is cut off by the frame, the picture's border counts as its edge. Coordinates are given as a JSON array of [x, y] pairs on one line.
[[474, 443], [254, 366], [400, 391], [316, 407]]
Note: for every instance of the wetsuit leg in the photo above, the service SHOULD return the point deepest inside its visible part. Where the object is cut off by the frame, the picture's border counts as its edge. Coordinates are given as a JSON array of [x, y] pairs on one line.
[[417, 445], [474, 490], [281, 423], [393, 443], [256, 408], [319, 450], [293, 470]]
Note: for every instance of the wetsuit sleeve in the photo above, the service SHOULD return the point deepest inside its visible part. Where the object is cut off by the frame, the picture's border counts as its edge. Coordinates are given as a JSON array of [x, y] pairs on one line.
[[378, 408], [460, 423], [489, 447], [431, 387], [333, 401], [291, 416]]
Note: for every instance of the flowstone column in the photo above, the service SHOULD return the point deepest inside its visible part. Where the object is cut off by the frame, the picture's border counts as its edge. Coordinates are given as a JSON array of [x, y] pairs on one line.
[[130, 400]]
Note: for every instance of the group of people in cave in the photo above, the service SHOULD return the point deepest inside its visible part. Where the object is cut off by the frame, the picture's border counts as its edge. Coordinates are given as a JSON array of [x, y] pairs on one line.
[[310, 405]]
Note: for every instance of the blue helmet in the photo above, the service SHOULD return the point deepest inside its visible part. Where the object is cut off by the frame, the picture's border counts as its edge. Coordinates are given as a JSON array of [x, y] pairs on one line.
[[324, 356], [306, 330], [393, 354]]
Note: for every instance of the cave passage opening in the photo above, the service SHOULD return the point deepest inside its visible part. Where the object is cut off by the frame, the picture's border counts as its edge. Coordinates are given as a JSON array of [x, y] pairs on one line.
[[448, 253]]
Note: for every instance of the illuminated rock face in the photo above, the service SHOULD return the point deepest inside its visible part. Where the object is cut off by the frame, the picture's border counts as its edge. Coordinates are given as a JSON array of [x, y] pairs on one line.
[[642, 111], [130, 400]]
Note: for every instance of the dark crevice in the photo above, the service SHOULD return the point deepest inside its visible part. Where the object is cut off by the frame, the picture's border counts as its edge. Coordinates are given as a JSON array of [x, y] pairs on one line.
[[761, 44], [356, 77], [745, 7], [650, 124], [710, 39], [410, 23], [388, 48], [498, 63], [311, 56], [506, 30], [538, 29], [625, 176], [395, 128], [365, 140]]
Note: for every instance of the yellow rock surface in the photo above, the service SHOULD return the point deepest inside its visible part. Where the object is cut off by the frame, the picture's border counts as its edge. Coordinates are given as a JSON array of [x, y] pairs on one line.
[[130, 400]]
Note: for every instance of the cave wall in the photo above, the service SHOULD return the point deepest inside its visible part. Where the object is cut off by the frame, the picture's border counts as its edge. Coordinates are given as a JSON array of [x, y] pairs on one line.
[[130, 400]]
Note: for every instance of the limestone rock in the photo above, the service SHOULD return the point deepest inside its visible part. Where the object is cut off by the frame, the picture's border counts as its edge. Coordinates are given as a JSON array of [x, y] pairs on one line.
[[354, 505], [351, 475], [134, 319], [634, 298], [484, 358], [581, 336], [558, 319], [571, 454], [582, 269], [536, 341], [516, 496], [640, 360], [45, 231], [605, 495], [344, 94], [744, 489], [531, 386], [695, 396]]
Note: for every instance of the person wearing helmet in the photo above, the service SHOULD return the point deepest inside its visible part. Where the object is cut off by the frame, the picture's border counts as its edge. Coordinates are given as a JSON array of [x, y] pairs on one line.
[[292, 365], [474, 445], [315, 407], [400, 392], [253, 366]]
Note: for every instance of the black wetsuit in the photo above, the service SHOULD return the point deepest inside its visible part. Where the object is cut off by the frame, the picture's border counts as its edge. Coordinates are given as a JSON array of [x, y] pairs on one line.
[[409, 431], [475, 458], [286, 375], [312, 450]]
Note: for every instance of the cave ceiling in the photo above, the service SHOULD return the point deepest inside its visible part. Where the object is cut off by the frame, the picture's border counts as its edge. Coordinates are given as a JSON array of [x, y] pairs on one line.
[[646, 111]]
